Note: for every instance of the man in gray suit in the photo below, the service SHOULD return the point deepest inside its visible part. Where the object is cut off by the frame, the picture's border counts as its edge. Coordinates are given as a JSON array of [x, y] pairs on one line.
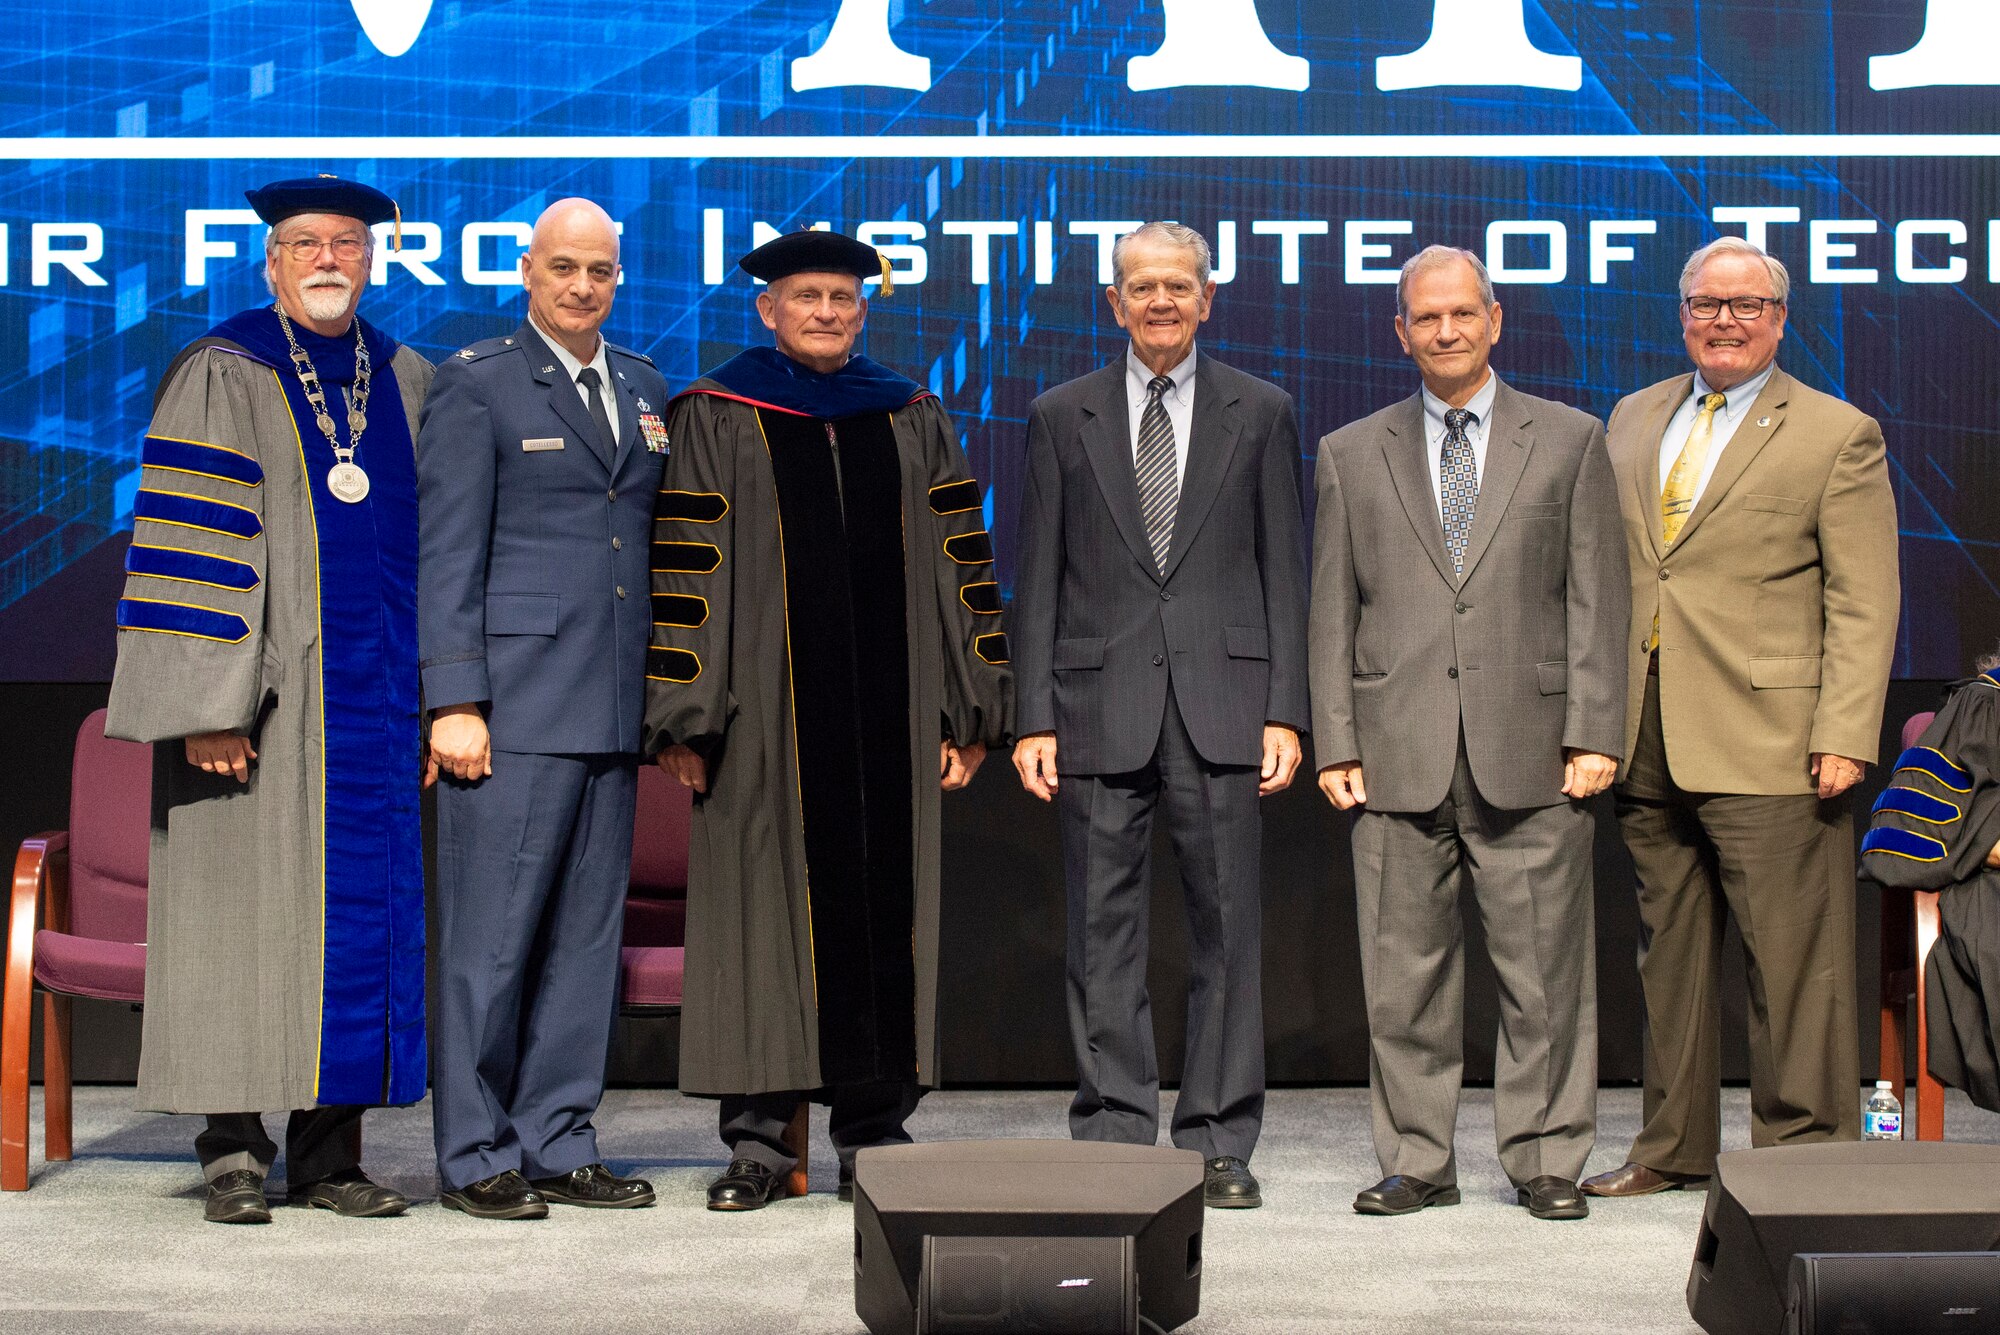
[[1469, 604], [1159, 646]]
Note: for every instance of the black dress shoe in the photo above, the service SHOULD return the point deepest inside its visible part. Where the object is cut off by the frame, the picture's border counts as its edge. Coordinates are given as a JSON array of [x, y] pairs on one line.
[[350, 1193], [1227, 1184], [237, 1197], [845, 1191], [746, 1185], [595, 1186], [1552, 1197], [503, 1196], [1403, 1195]]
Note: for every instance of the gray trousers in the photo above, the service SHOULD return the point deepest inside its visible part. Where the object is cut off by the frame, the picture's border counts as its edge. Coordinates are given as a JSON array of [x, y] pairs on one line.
[[860, 1117], [1531, 878], [319, 1142], [1107, 837]]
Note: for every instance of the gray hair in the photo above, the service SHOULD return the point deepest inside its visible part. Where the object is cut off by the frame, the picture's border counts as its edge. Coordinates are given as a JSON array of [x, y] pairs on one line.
[[1987, 662], [1781, 278], [1437, 257], [271, 248], [1169, 233]]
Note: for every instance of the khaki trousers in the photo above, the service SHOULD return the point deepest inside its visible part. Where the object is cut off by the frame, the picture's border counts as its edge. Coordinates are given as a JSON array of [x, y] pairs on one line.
[[1784, 867]]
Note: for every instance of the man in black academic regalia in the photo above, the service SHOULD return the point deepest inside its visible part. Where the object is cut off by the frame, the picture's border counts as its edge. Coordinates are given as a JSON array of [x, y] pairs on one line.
[[827, 658]]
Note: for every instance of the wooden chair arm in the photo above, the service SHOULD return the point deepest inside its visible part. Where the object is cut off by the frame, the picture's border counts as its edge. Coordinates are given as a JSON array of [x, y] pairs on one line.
[[39, 868], [40, 863]]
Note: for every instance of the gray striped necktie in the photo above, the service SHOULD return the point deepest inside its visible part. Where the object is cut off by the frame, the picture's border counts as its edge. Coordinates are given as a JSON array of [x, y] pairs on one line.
[[1159, 472]]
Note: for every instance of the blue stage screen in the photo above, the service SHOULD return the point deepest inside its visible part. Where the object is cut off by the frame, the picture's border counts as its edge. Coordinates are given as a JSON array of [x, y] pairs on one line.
[[1583, 148]]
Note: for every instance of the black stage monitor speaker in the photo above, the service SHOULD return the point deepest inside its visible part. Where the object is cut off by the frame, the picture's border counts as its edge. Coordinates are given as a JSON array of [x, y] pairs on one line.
[[1770, 1205], [1026, 1236], [1910, 1293]]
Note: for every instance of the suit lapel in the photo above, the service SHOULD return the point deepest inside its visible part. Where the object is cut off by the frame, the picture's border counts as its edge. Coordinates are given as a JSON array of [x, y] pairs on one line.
[[1760, 423], [1646, 479], [1404, 451], [1106, 443], [630, 436], [1211, 445], [564, 397], [1507, 450]]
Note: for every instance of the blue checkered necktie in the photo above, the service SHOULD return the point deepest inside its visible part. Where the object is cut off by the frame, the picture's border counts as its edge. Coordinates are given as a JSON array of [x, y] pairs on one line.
[[1159, 472], [1458, 485]]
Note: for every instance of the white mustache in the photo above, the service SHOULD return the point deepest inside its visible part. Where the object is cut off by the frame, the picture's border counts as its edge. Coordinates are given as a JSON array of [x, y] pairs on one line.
[[339, 280]]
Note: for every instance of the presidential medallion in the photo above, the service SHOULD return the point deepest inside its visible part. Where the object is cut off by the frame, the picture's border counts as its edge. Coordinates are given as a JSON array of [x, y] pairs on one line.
[[347, 483]]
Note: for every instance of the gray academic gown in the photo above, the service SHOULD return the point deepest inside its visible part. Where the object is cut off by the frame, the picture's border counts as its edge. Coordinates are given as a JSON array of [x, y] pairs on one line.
[[737, 670], [236, 977], [1932, 829]]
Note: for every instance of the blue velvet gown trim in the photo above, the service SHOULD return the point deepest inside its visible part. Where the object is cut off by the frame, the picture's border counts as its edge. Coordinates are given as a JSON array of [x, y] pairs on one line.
[[372, 1045], [861, 386]]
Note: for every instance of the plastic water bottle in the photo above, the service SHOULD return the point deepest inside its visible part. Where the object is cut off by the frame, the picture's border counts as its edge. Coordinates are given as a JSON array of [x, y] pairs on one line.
[[1882, 1115]]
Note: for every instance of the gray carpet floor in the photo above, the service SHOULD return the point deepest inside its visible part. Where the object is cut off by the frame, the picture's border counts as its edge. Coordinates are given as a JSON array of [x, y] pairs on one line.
[[113, 1241]]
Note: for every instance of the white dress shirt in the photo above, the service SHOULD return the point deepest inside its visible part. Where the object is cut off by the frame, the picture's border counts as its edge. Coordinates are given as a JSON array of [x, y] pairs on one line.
[[1481, 408], [573, 368], [1178, 401], [1735, 407]]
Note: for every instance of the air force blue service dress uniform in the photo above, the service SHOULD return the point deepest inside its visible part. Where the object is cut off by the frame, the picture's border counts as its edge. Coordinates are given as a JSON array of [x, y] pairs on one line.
[[534, 606], [285, 914]]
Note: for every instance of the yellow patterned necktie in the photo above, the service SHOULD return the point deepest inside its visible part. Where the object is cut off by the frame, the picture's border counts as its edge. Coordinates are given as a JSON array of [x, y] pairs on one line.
[[1677, 497]]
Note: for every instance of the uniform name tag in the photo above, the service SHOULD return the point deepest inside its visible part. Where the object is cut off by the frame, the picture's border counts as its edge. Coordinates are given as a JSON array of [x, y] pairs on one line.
[[542, 443]]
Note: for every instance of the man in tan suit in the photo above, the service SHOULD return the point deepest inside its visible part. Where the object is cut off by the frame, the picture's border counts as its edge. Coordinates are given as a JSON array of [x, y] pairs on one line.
[[1762, 539]]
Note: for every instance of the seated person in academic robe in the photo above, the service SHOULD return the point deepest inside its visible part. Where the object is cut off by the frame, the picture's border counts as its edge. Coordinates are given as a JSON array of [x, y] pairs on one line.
[[267, 643], [827, 658], [1937, 827]]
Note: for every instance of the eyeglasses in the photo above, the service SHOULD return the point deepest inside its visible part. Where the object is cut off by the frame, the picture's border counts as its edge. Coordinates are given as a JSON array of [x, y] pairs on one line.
[[306, 248], [1743, 308]]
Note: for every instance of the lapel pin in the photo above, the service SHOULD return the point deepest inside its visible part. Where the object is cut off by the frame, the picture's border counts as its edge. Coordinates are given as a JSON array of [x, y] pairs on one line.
[[621, 375], [1764, 421], [467, 353], [644, 406], [548, 370]]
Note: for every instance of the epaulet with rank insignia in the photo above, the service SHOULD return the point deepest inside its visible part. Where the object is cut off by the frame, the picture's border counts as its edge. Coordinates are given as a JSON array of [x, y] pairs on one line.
[[625, 351], [486, 348]]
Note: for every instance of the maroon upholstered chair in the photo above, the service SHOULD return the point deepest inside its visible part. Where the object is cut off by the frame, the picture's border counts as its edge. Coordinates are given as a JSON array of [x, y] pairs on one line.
[[1909, 930], [656, 903], [652, 961], [87, 885]]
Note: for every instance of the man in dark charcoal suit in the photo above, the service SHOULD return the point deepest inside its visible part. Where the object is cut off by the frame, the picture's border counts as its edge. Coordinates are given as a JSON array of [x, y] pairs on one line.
[[1159, 654], [1469, 601]]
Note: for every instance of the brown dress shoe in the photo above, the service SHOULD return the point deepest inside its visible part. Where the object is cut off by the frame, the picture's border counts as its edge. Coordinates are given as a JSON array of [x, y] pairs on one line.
[[1635, 1179]]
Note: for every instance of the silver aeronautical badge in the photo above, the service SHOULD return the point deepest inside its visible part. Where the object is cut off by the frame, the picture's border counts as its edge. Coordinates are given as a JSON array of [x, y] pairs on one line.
[[467, 353], [347, 483]]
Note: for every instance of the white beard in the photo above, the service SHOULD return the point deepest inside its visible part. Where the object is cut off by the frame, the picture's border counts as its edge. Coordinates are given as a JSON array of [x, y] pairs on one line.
[[327, 301]]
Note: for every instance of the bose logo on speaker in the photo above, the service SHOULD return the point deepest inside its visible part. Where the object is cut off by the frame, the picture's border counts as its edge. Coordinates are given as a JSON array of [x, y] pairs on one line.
[[1961, 1311], [1084, 1284]]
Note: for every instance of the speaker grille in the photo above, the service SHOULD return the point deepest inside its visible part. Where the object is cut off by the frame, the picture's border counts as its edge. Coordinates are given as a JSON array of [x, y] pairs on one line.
[[1033, 1286]]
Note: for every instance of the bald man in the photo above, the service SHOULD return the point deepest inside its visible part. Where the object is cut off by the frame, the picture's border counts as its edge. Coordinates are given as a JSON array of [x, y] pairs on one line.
[[537, 462]]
